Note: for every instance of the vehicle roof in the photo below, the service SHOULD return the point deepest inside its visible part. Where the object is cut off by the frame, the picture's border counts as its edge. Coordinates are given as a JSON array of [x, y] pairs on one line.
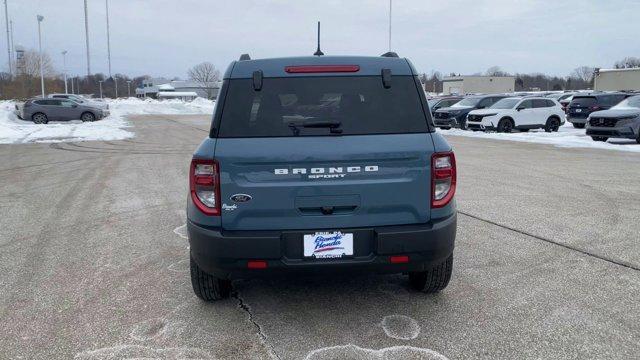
[[598, 94], [274, 67]]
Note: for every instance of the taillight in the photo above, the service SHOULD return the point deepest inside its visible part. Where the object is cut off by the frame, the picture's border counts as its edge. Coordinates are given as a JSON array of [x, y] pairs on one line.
[[204, 184], [443, 178]]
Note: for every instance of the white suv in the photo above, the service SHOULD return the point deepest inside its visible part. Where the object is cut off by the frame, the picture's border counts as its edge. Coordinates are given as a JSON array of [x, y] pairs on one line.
[[518, 113]]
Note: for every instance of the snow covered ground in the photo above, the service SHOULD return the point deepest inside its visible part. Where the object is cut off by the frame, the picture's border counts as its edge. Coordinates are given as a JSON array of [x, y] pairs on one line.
[[566, 137], [114, 127]]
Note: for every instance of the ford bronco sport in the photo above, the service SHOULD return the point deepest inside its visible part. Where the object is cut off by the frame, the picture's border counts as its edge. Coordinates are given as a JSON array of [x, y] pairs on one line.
[[321, 164]]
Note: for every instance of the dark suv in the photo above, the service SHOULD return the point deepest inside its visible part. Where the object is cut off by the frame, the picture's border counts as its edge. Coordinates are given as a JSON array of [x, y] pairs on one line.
[[443, 102], [320, 165], [456, 115], [582, 105], [621, 121]]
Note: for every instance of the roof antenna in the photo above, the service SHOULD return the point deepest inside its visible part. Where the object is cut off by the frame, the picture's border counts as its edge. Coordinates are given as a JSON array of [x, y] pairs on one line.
[[318, 52]]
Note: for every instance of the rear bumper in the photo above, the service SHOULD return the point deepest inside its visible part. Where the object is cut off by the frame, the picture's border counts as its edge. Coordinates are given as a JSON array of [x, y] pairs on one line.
[[225, 253], [577, 120]]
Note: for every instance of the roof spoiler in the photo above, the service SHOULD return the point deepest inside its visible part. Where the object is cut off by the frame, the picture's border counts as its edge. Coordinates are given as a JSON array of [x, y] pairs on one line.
[[390, 54], [244, 57]]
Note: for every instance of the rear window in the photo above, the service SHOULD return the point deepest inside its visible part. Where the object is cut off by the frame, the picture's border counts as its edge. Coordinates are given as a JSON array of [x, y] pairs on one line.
[[360, 105], [583, 101]]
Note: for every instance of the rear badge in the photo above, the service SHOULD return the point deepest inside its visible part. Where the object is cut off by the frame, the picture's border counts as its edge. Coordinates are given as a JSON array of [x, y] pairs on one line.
[[240, 198], [229, 207]]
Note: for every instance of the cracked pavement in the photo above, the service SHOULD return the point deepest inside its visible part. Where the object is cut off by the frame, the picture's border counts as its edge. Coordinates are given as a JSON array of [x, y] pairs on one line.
[[546, 262]]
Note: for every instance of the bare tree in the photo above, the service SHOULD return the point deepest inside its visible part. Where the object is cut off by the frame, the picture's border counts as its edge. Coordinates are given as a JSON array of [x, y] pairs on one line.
[[496, 71], [206, 75], [628, 62], [30, 64], [584, 73]]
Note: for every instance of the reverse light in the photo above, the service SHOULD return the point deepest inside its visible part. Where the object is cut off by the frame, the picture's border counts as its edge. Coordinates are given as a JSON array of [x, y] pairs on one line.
[[321, 69], [204, 185], [443, 178]]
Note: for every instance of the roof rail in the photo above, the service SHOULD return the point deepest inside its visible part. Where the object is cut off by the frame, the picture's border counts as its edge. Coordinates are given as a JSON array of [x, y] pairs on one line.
[[390, 54], [245, 57]]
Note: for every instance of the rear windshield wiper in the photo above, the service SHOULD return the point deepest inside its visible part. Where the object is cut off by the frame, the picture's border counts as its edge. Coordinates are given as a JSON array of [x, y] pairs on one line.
[[334, 126]]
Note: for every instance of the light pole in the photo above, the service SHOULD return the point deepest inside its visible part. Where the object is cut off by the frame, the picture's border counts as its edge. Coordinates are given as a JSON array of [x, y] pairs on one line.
[[64, 70], [128, 88], [106, 5], [40, 18], [100, 82], [86, 33], [115, 81], [6, 17], [390, 7], [72, 91]]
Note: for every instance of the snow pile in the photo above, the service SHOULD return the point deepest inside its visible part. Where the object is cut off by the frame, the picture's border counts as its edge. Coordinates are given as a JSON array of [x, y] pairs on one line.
[[567, 137], [135, 106], [114, 127]]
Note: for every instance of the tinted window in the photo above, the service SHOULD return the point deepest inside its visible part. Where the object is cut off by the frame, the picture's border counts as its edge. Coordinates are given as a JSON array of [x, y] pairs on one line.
[[447, 103], [550, 103], [583, 101], [361, 105], [40, 102], [470, 101], [540, 103], [611, 100], [526, 104], [632, 102], [67, 103], [485, 103]]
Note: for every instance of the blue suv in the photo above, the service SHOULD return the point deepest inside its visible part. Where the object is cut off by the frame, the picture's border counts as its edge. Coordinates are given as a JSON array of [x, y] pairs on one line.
[[318, 165]]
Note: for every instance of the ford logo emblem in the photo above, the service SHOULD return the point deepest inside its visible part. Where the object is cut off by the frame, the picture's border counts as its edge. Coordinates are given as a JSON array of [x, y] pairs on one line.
[[240, 198]]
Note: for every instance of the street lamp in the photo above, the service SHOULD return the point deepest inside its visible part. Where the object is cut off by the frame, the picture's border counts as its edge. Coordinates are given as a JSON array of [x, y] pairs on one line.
[[64, 70], [100, 82], [40, 18], [128, 88]]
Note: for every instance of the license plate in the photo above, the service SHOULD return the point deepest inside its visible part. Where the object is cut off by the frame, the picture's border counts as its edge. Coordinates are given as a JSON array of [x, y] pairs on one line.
[[578, 110], [328, 245]]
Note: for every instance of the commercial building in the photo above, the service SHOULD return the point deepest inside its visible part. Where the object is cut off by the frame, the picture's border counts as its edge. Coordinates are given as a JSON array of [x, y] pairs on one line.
[[161, 88], [475, 84], [617, 79]]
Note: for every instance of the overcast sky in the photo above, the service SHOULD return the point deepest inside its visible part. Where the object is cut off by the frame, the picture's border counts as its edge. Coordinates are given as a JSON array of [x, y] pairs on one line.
[[166, 37]]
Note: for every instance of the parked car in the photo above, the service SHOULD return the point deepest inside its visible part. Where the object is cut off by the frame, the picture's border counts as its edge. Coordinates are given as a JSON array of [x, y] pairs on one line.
[[81, 100], [560, 96], [621, 121], [584, 104], [41, 111], [340, 171], [518, 113], [443, 102], [456, 115]]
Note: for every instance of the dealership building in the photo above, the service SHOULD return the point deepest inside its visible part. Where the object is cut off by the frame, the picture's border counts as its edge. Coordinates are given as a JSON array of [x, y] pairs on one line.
[[476, 84], [617, 79]]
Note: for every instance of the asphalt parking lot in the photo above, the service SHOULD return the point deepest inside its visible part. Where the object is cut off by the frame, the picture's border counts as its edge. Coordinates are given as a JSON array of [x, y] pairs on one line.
[[94, 262]]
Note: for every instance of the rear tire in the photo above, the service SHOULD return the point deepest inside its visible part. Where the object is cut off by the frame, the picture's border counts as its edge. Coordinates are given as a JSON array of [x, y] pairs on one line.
[[505, 126], [638, 138], [553, 124], [208, 287], [599, 138], [433, 280], [578, 126], [39, 118], [87, 117], [524, 130]]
